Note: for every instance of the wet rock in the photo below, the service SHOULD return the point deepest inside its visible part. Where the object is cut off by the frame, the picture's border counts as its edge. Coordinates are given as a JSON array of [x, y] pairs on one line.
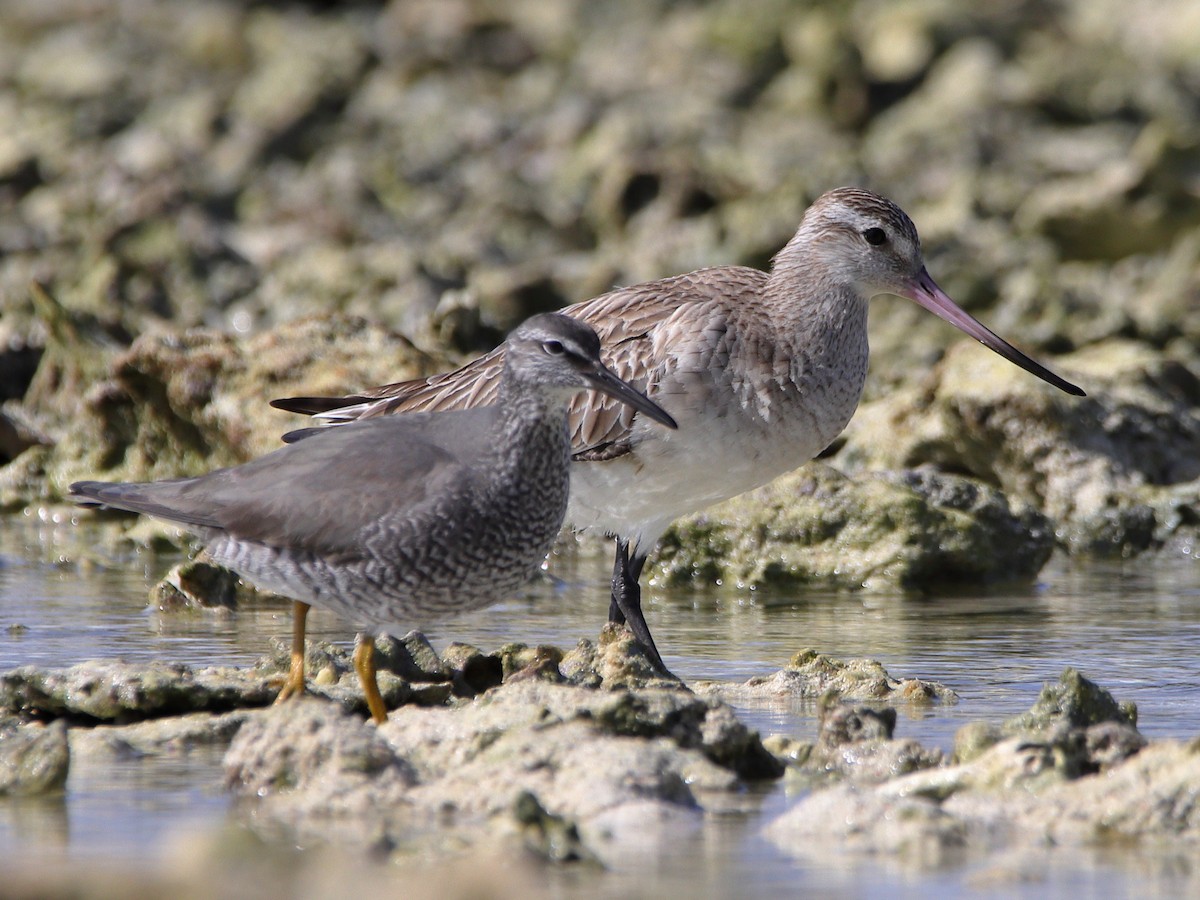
[[550, 837], [311, 744], [206, 388], [912, 530], [1074, 701], [34, 758], [412, 657], [855, 743], [692, 723], [1059, 784], [19, 357], [18, 434], [168, 736], [324, 663], [1108, 743], [616, 661], [109, 690], [472, 670], [905, 831], [520, 661], [814, 675], [1037, 788], [184, 403], [843, 723], [406, 672], [1074, 717], [195, 586]]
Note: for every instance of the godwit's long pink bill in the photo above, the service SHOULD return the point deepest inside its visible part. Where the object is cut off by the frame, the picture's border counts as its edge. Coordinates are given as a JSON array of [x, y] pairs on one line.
[[926, 293]]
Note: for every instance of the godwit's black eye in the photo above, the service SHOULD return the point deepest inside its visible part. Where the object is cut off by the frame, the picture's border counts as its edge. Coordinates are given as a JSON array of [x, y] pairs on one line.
[[554, 348], [875, 236]]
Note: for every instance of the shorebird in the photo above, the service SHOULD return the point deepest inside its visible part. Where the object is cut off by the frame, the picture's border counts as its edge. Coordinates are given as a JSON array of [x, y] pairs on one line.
[[398, 521], [762, 371]]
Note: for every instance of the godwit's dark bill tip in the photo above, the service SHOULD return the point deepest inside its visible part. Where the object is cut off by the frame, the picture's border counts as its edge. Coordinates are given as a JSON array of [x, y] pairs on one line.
[[925, 292]]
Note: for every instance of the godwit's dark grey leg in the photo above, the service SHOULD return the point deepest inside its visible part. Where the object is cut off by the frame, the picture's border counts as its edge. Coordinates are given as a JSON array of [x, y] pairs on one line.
[[625, 605]]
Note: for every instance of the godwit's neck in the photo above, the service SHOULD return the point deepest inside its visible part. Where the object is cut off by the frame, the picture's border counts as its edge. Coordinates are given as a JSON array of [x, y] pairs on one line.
[[816, 308]]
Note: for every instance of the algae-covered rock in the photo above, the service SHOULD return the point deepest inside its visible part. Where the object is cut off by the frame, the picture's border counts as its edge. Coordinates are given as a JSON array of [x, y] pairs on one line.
[[691, 722], [878, 531], [471, 670], [110, 690], [854, 740], [408, 671], [1112, 470], [1075, 702], [815, 675], [1090, 729], [855, 743], [311, 744], [176, 404], [858, 821], [617, 660], [550, 837], [411, 657], [171, 736]]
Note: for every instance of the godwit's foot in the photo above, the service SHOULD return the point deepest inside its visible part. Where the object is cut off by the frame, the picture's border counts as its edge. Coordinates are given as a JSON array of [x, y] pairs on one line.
[[625, 605]]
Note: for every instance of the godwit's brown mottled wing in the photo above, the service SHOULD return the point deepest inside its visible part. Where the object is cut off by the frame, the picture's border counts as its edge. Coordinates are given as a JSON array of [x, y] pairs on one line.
[[631, 323]]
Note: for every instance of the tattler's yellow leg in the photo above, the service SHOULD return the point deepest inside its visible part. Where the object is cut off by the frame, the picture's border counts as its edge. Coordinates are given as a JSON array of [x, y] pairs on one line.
[[294, 685], [364, 665]]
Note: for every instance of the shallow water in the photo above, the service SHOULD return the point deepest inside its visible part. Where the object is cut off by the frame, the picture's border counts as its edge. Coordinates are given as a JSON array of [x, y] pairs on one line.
[[1134, 628]]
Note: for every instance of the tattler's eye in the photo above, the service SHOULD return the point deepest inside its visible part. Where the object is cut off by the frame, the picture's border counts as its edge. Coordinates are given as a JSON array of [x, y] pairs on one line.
[[875, 236], [554, 348]]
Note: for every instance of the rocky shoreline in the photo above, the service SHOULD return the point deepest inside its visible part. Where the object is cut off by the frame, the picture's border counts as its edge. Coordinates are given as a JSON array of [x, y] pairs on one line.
[[586, 756]]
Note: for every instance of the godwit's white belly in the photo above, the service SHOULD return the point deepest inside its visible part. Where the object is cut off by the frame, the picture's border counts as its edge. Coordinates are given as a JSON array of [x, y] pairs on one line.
[[719, 451]]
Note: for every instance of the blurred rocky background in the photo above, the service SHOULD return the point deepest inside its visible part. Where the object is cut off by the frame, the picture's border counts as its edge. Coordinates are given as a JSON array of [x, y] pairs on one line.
[[210, 204]]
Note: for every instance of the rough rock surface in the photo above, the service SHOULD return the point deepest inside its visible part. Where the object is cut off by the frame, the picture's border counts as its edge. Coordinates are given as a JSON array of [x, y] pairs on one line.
[[594, 760], [1118, 470]]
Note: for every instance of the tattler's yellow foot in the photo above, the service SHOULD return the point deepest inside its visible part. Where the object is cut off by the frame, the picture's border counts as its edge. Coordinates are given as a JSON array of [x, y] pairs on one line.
[[364, 665]]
